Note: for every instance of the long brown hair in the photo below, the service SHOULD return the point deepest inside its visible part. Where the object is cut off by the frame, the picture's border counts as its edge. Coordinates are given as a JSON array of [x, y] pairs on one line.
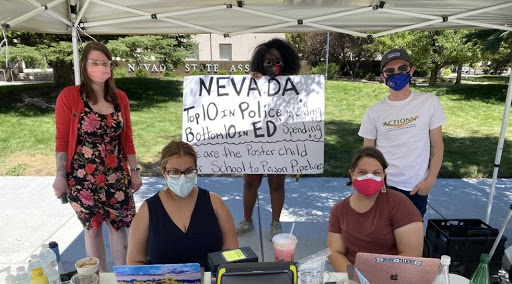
[[86, 86], [180, 148], [368, 152]]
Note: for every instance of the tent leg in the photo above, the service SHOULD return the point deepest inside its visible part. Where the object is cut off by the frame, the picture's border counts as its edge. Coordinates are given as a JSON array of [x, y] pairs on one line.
[[327, 56], [211, 55], [74, 41], [6, 47], [76, 60], [499, 150]]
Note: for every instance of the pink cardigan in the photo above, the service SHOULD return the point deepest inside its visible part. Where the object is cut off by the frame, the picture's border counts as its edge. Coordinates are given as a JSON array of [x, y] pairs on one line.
[[67, 114]]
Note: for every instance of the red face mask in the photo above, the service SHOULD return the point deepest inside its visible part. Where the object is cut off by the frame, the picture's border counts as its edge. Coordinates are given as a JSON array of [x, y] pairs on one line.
[[277, 69], [368, 185]]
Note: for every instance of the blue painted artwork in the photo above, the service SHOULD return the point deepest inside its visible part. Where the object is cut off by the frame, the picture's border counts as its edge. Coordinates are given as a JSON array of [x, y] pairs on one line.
[[159, 274]]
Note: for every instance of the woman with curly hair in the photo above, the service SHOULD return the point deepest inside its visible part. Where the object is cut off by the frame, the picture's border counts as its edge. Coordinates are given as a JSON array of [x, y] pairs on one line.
[[272, 58]]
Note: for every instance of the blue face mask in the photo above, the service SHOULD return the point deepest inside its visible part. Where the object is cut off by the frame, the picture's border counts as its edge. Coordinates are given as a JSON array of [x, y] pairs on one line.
[[398, 81], [182, 186]]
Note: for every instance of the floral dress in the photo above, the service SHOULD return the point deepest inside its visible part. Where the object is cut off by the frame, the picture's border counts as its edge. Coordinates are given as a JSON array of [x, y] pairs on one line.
[[98, 180]]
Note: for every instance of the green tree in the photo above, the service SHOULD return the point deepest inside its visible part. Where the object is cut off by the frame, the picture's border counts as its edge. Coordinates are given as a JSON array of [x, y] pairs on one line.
[[57, 50], [415, 42], [22, 53], [457, 50], [167, 49], [496, 48], [60, 57], [431, 50], [345, 50], [296, 40]]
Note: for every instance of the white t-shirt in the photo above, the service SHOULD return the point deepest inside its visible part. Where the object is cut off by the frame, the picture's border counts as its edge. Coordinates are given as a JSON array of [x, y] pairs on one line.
[[401, 133]]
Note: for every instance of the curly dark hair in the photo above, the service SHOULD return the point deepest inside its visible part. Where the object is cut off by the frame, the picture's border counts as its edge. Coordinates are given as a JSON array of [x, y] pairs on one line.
[[291, 61]]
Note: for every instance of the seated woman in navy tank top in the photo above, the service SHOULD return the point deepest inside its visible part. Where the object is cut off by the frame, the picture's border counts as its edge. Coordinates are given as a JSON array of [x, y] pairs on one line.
[[182, 223]]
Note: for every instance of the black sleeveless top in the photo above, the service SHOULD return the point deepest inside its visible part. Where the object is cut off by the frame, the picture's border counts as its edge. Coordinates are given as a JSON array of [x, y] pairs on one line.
[[168, 244]]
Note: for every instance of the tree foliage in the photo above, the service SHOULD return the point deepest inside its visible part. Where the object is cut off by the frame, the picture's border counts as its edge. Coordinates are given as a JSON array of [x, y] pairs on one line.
[[495, 47], [168, 49], [430, 50], [37, 49], [22, 53], [345, 50]]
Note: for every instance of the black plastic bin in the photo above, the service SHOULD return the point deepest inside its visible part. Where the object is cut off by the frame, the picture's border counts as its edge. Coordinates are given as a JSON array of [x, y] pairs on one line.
[[464, 240]]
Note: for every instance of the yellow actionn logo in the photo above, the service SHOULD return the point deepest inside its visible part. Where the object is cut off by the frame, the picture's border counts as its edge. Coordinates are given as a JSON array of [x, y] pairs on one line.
[[401, 122]]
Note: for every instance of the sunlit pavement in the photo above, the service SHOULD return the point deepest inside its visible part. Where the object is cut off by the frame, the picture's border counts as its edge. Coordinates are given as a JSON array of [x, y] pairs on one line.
[[30, 214]]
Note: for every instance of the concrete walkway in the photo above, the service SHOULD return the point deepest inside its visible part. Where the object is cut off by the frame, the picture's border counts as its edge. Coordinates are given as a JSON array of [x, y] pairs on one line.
[[30, 215]]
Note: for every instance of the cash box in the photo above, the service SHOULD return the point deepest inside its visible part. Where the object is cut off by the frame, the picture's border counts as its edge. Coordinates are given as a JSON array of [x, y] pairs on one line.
[[244, 254]]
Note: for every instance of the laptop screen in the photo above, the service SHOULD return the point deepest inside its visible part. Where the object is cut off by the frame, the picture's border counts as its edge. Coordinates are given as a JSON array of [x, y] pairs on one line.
[[159, 273], [396, 269]]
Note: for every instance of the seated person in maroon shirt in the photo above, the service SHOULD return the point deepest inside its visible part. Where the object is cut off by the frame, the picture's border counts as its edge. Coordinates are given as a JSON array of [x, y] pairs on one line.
[[372, 219]]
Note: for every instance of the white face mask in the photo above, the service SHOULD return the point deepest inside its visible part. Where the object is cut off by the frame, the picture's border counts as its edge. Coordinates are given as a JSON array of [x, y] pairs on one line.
[[182, 186]]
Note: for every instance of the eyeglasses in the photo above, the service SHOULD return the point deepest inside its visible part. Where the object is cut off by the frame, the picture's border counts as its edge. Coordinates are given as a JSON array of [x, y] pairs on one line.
[[96, 63], [402, 69], [176, 174], [277, 61]]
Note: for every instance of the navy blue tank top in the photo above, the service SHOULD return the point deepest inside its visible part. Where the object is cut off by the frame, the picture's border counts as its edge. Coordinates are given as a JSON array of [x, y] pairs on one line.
[[168, 244]]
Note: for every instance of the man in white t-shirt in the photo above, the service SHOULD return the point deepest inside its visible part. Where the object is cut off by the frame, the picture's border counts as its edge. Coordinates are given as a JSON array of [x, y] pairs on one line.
[[406, 127]]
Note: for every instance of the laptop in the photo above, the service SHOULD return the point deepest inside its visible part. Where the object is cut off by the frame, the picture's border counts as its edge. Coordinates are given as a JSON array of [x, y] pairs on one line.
[[395, 269], [189, 273]]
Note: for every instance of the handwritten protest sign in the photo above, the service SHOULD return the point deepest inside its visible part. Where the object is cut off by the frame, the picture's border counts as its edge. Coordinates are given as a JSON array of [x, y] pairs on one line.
[[239, 124]]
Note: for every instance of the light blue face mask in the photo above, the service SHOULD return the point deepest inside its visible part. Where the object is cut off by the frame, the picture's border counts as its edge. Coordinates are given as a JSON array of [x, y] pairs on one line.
[[182, 186], [398, 81]]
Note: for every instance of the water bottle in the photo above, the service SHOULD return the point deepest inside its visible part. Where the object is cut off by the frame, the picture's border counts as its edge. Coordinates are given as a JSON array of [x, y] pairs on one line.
[[38, 277], [35, 262], [443, 276], [22, 276], [10, 279], [51, 273], [54, 246], [481, 275], [47, 256]]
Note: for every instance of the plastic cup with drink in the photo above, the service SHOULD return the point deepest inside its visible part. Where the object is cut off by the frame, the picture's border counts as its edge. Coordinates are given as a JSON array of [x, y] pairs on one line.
[[284, 246]]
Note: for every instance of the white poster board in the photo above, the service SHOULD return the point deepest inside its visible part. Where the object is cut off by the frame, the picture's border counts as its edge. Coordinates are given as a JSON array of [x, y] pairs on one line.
[[239, 124]]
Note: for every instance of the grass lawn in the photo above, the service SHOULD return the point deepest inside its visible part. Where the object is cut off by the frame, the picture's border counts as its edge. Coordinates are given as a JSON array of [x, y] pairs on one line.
[[474, 111]]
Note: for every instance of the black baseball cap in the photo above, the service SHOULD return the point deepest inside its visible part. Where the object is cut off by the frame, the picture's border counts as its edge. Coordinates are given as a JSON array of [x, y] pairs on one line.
[[393, 54]]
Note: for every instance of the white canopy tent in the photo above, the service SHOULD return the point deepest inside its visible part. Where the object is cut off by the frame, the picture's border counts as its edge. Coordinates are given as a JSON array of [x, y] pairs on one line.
[[366, 18]]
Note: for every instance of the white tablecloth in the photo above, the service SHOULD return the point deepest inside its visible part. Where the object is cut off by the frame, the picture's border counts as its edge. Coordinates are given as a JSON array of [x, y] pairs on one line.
[[110, 278]]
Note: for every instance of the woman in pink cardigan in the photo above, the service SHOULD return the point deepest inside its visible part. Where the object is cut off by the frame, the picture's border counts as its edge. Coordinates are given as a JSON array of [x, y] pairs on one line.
[[96, 164]]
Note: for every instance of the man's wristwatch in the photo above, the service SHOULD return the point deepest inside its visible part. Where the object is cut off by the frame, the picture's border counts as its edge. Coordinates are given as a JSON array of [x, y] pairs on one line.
[[135, 169]]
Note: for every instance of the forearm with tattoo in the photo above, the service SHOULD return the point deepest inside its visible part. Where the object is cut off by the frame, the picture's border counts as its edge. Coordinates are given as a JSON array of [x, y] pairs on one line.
[[61, 159]]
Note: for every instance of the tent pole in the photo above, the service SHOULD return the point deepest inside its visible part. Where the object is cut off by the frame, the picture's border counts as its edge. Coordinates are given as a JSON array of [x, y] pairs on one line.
[[76, 60], [327, 57], [6, 49], [74, 41], [499, 150], [211, 56]]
